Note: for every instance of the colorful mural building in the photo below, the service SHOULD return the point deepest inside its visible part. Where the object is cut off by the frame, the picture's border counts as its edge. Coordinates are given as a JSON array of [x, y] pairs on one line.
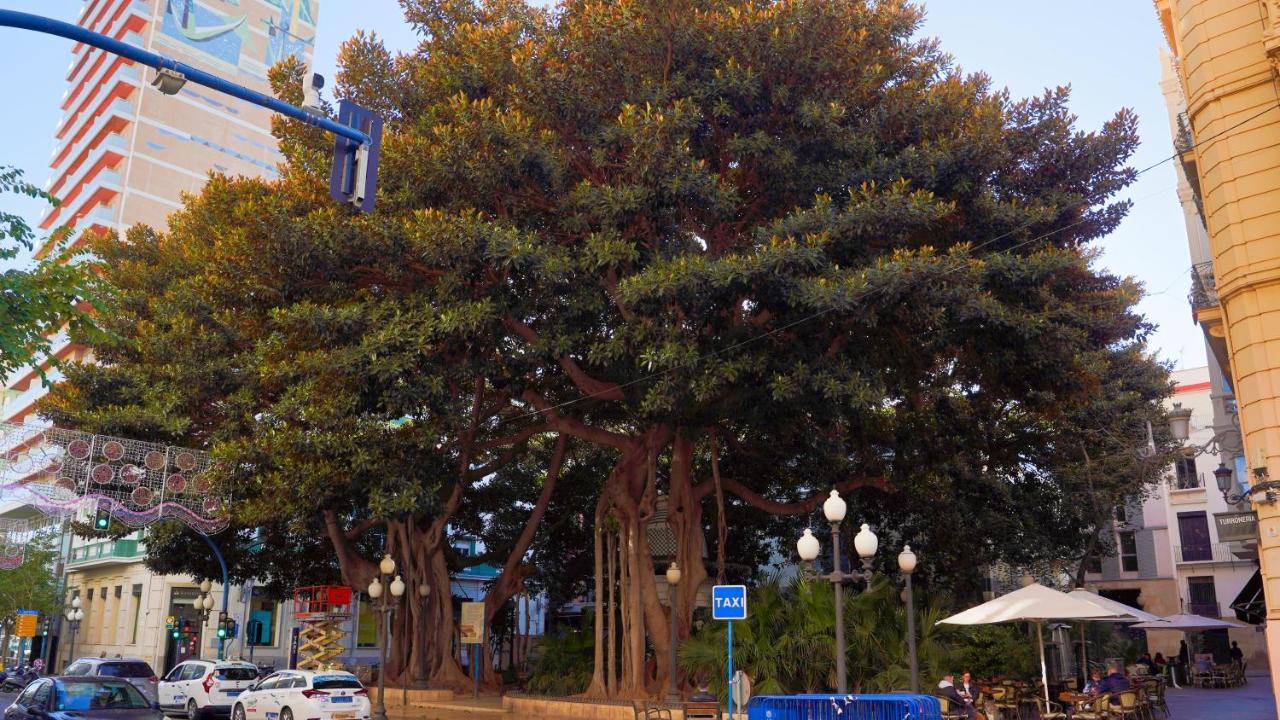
[[125, 155]]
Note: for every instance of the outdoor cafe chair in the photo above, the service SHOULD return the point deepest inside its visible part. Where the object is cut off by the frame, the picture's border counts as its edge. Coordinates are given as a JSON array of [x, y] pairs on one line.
[[1129, 707], [951, 714], [1100, 709], [644, 710], [1049, 710]]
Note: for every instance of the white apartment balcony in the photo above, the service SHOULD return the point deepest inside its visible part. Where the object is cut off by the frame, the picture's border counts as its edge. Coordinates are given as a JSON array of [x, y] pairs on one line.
[[1216, 553]]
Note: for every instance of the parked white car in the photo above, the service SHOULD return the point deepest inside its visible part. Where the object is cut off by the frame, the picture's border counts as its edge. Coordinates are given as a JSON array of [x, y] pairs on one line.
[[135, 670], [201, 689], [304, 695]]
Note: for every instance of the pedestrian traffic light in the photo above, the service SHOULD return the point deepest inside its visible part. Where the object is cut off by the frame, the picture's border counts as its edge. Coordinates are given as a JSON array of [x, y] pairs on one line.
[[101, 518]]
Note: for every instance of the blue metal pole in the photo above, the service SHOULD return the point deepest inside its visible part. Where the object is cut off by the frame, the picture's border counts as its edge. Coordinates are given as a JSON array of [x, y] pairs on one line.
[[730, 669], [226, 588], [27, 21]]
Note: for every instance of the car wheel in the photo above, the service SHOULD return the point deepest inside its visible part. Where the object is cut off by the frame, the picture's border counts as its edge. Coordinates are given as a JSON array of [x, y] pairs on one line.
[[286, 714], [193, 710], [237, 713]]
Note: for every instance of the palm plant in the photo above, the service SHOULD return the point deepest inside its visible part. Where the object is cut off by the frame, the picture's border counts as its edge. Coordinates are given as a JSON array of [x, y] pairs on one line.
[[787, 643]]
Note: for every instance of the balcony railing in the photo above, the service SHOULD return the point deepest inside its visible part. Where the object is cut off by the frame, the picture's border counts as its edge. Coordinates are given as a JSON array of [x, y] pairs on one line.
[[1209, 610], [1184, 140], [1214, 552], [118, 549], [1204, 288], [1188, 482]]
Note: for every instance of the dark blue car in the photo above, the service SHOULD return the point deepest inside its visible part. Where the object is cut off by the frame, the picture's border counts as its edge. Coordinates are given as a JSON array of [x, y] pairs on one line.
[[81, 698]]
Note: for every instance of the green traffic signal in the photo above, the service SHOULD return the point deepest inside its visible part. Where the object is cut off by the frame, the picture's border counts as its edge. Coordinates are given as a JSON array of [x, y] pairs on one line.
[[222, 632], [176, 634]]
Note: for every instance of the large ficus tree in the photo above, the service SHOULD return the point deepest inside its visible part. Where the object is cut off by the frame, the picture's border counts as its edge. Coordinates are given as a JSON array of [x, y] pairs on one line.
[[745, 250]]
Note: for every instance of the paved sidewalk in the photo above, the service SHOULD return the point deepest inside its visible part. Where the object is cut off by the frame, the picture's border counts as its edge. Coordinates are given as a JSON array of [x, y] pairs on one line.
[[1248, 702]]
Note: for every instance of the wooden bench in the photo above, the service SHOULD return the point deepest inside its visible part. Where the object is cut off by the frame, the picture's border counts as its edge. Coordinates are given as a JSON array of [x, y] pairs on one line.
[[702, 711]]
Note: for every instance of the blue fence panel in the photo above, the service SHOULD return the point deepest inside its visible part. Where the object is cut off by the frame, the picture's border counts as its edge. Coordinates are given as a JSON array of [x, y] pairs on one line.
[[844, 707]]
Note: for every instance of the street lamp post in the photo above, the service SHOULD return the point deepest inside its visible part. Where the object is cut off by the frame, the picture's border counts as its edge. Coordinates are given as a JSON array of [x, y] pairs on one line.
[[673, 580], [1226, 441], [384, 606], [865, 543], [74, 615], [907, 564]]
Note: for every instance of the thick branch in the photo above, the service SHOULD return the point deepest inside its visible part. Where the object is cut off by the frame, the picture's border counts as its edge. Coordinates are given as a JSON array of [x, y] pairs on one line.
[[760, 502], [574, 428], [593, 387]]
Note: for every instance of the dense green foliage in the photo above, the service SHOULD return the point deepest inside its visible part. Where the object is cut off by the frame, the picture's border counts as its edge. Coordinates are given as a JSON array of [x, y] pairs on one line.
[[787, 643], [36, 302], [33, 585]]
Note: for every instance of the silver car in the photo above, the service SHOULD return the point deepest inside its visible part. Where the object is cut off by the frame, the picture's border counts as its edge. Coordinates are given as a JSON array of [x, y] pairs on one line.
[[135, 670]]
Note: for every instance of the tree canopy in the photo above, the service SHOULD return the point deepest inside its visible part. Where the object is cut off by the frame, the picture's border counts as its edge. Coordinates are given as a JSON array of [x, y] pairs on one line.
[[39, 299], [696, 260]]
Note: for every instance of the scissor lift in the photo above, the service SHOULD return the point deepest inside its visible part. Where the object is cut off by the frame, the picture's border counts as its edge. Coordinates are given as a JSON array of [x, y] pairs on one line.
[[321, 609]]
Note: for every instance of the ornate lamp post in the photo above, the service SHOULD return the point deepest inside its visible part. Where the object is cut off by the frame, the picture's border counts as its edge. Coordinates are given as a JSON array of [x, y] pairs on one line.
[[1226, 441], [865, 543], [907, 564], [673, 580], [73, 615], [384, 606]]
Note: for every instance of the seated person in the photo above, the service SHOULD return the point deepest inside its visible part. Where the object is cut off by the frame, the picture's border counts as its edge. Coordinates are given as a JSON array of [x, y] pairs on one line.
[[1147, 663], [947, 689], [704, 692], [1094, 685], [1114, 682]]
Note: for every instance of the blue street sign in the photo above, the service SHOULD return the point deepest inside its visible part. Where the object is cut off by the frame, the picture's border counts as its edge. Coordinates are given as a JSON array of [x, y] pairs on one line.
[[353, 176], [729, 602]]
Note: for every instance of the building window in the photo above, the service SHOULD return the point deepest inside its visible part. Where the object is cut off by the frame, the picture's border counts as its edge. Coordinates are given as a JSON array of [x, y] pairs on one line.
[[1202, 597], [1128, 552], [1120, 515], [137, 613], [1193, 530], [264, 623], [1186, 475], [366, 624], [1093, 564]]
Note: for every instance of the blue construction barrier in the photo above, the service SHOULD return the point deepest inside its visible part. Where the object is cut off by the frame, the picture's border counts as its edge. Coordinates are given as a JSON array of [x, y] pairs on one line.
[[844, 707]]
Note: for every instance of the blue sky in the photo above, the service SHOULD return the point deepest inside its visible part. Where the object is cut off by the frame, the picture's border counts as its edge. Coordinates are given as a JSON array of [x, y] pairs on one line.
[[1107, 50]]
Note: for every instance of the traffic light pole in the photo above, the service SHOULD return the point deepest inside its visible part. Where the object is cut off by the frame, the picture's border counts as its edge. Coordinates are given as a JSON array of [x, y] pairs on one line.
[[355, 161], [71, 31], [226, 591]]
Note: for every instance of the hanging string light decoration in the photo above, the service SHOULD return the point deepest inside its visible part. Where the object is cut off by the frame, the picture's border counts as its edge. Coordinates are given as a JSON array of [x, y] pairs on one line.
[[16, 534], [61, 472]]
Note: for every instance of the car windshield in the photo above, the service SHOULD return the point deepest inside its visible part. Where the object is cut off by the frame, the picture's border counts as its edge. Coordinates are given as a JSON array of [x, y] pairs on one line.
[[126, 670], [335, 682], [113, 695], [238, 673]]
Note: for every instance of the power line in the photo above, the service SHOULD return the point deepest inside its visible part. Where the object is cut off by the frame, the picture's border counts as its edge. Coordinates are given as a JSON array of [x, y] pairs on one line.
[[813, 316]]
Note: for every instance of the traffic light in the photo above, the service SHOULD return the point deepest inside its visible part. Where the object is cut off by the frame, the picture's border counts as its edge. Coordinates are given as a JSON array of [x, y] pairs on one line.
[[101, 518], [44, 625], [227, 628]]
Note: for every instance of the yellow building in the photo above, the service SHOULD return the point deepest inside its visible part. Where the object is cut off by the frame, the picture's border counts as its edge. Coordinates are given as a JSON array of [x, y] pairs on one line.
[[1227, 59]]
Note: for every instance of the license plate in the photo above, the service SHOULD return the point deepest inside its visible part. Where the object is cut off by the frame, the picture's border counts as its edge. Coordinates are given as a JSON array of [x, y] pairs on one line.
[[233, 693], [343, 716], [341, 699]]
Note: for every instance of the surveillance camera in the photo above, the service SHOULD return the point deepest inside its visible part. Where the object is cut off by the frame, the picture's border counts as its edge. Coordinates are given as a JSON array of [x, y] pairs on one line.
[[168, 81], [311, 94]]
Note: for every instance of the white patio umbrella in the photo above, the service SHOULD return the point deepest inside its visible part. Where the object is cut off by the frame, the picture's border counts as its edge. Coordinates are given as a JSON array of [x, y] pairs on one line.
[[1034, 603], [1187, 623], [1122, 613]]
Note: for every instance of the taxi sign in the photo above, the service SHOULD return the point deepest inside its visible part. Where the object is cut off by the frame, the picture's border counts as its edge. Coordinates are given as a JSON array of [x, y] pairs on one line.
[[729, 602]]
